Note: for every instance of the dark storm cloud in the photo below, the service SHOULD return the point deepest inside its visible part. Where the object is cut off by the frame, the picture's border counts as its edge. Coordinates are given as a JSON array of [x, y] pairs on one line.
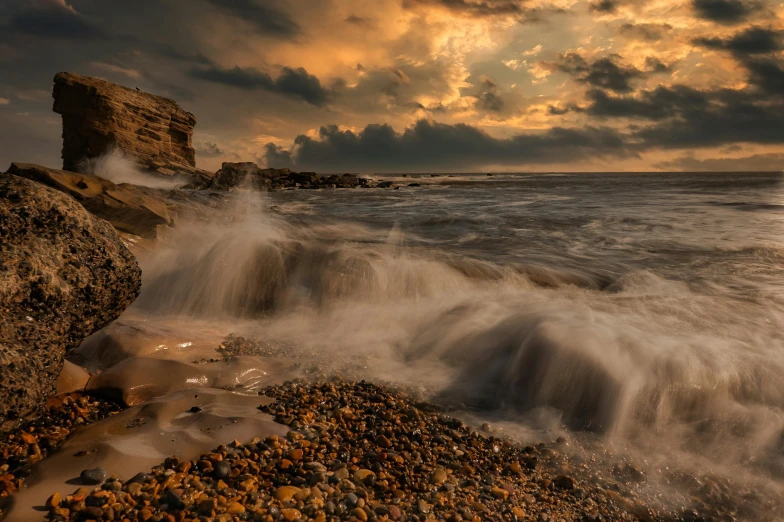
[[474, 8], [756, 49], [767, 75], [50, 20], [753, 40], [431, 145], [726, 11], [293, 83], [757, 162], [604, 6], [487, 94], [649, 32], [606, 72], [261, 13], [688, 117], [490, 8]]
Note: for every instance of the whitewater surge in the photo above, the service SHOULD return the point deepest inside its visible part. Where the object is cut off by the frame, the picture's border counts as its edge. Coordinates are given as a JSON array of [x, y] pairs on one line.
[[640, 357]]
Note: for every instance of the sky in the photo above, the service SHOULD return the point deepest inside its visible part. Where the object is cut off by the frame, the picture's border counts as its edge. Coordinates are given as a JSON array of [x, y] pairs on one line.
[[419, 85]]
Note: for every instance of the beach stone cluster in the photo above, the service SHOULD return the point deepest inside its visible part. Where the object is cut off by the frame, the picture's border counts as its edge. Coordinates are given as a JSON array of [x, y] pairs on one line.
[[33, 441], [355, 452]]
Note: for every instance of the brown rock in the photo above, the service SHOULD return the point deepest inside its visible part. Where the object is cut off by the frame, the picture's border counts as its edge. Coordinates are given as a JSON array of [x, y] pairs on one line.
[[130, 208], [100, 116], [63, 275]]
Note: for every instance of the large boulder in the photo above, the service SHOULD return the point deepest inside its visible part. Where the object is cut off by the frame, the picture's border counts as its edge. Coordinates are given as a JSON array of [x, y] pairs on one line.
[[63, 275], [130, 208], [100, 116]]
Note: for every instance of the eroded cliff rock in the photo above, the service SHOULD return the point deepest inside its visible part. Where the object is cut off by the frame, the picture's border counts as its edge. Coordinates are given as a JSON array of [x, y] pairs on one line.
[[100, 116], [130, 208], [63, 275]]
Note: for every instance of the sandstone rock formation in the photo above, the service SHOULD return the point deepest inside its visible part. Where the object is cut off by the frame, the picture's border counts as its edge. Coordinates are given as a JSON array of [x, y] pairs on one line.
[[250, 176], [130, 208], [63, 275], [100, 116]]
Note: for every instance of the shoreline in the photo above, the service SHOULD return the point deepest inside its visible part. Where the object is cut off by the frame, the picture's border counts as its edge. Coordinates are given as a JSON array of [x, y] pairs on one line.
[[346, 460]]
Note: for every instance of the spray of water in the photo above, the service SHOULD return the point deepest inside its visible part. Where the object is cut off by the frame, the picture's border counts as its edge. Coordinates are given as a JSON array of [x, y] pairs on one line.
[[117, 167]]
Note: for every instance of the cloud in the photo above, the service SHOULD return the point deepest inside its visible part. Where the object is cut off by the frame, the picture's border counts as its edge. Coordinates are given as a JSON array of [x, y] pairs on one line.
[[260, 13], [604, 6], [753, 40], [130, 73], [648, 32], [769, 162], [210, 150], [438, 146], [726, 11], [756, 49], [767, 75], [478, 8], [293, 83], [4, 101], [516, 9], [605, 72], [687, 117], [359, 20], [52, 19], [487, 95]]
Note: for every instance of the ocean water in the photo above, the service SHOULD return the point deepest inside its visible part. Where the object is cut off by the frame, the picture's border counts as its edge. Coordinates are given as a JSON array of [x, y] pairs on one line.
[[640, 316]]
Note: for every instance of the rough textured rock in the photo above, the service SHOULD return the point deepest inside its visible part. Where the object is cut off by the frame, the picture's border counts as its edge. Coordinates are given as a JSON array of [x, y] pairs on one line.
[[247, 175], [100, 116], [130, 208], [63, 275]]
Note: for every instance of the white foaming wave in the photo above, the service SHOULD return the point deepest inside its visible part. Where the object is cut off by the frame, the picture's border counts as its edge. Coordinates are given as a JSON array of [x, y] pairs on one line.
[[116, 167]]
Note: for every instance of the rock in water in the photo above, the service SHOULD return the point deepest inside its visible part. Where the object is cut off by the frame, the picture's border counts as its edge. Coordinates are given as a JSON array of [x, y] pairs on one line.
[[100, 116], [63, 275], [130, 208], [248, 175]]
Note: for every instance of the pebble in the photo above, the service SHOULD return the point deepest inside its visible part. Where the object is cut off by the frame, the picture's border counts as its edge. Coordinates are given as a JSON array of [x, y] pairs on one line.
[[222, 469], [235, 508], [439, 476], [286, 493], [53, 501], [93, 476]]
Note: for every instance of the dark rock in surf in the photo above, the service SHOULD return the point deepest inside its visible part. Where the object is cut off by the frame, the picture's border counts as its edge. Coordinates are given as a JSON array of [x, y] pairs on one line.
[[245, 175], [248, 175], [63, 275], [384, 184], [130, 208]]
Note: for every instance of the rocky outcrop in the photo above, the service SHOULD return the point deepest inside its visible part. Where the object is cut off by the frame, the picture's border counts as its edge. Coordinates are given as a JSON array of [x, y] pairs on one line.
[[63, 275], [130, 208], [100, 116], [247, 175]]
